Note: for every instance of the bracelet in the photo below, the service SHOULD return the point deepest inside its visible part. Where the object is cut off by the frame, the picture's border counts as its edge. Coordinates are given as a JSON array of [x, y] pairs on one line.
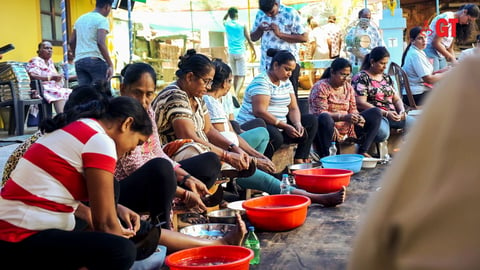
[[224, 155], [185, 195], [184, 179], [277, 122], [48, 77], [230, 147]]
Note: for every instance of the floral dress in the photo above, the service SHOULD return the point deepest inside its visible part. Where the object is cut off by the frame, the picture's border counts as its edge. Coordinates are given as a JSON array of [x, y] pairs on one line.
[[379, 93], [53, 90]]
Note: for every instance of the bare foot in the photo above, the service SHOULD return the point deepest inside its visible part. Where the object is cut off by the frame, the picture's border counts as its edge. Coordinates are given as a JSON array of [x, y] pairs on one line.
[[330, 199], [235, 236]]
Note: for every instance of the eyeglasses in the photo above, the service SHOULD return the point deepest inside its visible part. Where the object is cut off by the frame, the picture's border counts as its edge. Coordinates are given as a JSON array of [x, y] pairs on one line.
[[206, 82]]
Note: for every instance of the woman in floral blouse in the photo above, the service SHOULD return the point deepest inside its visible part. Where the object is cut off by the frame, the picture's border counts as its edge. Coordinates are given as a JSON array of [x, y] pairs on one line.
[[332, 99], [374, 88]]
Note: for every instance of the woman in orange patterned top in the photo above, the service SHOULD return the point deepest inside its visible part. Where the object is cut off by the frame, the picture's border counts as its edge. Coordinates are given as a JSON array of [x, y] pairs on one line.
[[332, 100]]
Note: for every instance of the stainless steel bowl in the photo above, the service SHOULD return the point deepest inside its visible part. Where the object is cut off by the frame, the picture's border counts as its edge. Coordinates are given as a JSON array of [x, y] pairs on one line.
[[208, 230], [222, 216], [302, 166]]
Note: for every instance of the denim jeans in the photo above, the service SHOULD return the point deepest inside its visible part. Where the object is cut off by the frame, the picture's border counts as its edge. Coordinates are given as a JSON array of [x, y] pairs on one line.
[[385, 125], [439, 61], [90, 70]]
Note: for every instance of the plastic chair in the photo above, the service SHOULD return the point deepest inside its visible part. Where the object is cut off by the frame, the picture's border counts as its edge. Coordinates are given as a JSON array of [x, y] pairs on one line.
[[19, 107], [401, 79]]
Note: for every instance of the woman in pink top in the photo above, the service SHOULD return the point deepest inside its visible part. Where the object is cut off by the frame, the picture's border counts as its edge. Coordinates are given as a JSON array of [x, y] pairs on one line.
[[332, 99]]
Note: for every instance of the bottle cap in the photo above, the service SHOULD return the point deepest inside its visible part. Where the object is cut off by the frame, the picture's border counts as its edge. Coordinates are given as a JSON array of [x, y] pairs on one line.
[[284, 175], [251, 228]]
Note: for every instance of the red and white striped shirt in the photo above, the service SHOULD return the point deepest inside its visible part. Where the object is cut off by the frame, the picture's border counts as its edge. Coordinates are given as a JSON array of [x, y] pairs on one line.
[[48, 183]]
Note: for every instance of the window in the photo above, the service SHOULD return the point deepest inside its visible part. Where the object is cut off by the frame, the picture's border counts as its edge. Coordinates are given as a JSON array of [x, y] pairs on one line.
[[51, 19]]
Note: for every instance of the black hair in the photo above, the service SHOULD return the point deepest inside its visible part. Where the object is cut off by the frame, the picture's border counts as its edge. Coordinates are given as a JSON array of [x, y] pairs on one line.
[[123, 107], [222, 72], [413, 34], [103, 108], [266, 5], [376, 54], [464, 31], [81, 98], [472, 10], [280, 56], [336, 65], [103, 3], [232, 12], [362, 11], [131, 73], [194, 62]]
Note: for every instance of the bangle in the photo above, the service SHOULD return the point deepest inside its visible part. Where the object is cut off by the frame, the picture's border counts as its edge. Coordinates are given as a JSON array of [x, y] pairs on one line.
[[184, 179], [224, 155], [48, 77], [277, 122], [230, 147], [185, 195]]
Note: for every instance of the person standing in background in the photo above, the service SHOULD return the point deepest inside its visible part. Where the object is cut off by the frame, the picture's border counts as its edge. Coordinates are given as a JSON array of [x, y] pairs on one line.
[[88, 42], [280, 27], [318, 41], [365, 27], [334, 37], [237, 34], [440, 45]]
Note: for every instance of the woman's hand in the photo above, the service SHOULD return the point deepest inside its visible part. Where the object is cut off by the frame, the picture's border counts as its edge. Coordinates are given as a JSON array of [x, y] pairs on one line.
[[265, 165], [239, 161], [193, 201], [197, 186], [129, 218], [394, 116], [292, 132]]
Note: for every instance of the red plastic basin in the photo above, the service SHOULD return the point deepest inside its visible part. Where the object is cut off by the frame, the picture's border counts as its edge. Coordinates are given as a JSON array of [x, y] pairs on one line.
[[277, 212], [211, 257], [321, 180]]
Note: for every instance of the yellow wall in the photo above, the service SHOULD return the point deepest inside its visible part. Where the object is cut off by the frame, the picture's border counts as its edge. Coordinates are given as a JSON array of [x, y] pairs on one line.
[[20, 25]]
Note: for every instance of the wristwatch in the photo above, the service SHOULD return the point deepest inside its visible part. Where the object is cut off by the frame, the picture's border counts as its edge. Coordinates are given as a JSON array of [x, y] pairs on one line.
[[230, 147]]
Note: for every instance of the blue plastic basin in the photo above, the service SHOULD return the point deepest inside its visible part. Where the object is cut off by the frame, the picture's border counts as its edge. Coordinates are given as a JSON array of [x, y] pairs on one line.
[[352, 162]]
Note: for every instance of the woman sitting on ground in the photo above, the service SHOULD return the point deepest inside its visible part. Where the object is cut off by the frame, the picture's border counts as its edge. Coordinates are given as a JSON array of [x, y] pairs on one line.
[[69, 164], [181, 113], [418, 68], [374, 88], [148, 170], [332, 100], [270, 96], [253, 141], [174, 241]]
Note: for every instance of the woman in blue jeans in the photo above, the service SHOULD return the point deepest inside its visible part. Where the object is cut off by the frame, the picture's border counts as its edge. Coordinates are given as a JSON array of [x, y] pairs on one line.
[[374, 88], [253, 142]]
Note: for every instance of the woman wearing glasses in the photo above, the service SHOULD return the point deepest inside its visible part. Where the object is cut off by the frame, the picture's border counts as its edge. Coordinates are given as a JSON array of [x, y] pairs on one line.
[[332, 100], [181, 113]]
